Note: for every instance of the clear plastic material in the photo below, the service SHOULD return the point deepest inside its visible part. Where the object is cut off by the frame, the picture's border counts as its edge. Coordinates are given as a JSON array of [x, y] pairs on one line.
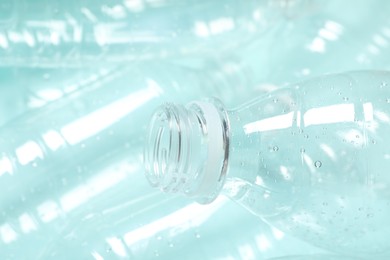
[[311, 159], [335, 37], [96, 203], [23, 89], [80, 32]]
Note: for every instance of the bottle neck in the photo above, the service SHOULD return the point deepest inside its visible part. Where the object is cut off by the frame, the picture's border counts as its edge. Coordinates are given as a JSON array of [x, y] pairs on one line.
[[187, 149]]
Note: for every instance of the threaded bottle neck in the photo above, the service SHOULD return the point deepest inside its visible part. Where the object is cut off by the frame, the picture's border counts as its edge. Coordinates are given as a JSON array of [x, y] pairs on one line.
[[187, 149]]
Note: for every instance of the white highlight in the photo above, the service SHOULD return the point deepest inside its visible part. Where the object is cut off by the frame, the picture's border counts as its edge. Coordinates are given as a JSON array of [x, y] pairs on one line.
[[7, 233], [263, 243], [271, 123], [93, 187], [187, 217], [28, 152], [95, 122], [368, 111], [53, 140], [5, 166], [329, 114], [48, 211], [117, 246], [27, 224]]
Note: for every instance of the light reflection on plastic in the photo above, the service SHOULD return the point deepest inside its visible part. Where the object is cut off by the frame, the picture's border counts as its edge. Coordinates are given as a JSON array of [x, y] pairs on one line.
[[50, 94], [116, 11], [28, 152], [27, 224], [382, 116], [329, 151], [53, 140], [278, 234], [285, 172], [217, 26], [309, 162], [263, 243], [134, 5], [3, 41], [271, 123], [112, 33], [246, 252], [329, 114], [368, 111], [117, 246], [48, 211], [7, 233], [5, 166], [331, 31], [187, 217], [95, 122], [93, 187], [97, 256]]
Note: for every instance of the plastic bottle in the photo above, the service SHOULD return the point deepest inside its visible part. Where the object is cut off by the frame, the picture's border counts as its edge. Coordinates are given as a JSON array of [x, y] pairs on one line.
[[326, 40], [310, 159], [94, 214], [23, 89], [85, 206], [11, 101], [76, 33]]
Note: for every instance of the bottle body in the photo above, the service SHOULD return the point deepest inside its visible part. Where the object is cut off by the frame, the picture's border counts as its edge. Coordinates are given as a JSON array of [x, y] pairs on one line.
[[310, 159], [48, 33], [84, 197], [309, 46], [320, 169]]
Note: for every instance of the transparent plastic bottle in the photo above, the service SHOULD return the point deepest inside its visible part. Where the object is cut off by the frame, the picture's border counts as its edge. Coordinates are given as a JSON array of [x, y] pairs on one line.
[[311, 159], [74, 33], [91, 123], [93, 214], [87, 206], [23, 89], [326, 40]]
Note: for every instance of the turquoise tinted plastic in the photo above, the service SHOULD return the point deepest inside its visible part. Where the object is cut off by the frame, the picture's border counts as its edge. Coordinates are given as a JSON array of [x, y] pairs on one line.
[[75, 33], [310, 159], [96, 204]]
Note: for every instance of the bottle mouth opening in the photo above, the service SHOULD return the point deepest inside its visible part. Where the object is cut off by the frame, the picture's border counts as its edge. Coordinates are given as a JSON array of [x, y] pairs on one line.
[[187, 150], [164, 146]]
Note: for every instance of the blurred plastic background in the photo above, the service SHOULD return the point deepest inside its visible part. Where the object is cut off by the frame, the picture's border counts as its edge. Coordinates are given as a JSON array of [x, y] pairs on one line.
[[79, 81]]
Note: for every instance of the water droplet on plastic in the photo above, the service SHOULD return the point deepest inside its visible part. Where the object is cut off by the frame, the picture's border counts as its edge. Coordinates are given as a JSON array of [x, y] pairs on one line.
[[275, 148], [275, 100], [303, 150], [373, 141], [345, 98], [306, 136], [318, 164]]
